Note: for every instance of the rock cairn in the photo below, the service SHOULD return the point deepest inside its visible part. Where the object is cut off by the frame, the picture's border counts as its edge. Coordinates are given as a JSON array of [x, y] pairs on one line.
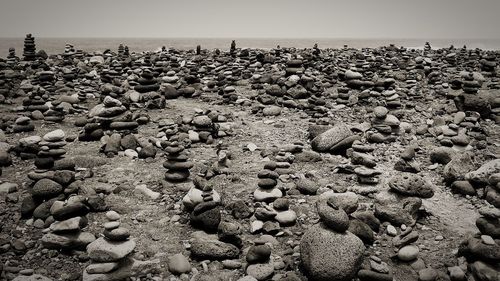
[[268, 180], [29, 51], [177, 163], [111, 255]]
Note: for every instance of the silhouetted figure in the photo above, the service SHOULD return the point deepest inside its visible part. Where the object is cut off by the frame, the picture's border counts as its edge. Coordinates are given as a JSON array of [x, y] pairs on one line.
[[198, 49]]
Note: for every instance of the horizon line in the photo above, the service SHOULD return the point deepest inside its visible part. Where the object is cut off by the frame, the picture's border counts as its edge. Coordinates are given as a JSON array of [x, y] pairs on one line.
[[276, 38]]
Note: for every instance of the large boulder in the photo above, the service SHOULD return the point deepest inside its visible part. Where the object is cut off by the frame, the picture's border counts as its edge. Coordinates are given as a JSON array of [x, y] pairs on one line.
[[332, 139], [459, 165], [483, 174], [330, 256], [409, 184]]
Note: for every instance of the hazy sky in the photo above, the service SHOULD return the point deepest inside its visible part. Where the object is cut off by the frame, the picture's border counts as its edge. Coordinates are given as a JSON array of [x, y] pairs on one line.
[[252, 18]]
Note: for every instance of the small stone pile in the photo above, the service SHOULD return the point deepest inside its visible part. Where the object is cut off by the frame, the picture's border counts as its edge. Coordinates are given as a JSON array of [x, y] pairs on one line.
[[29, 51], [168, 128], [131, 146], [112, 114], [206, 215], [384, 126], [11, 57], [66, 232], [294, 67], [177, 163], [284, 160], [358, 153], [147, 82], [201, 191], [111, 255], [52, 145], [69, 50], [22, 124], [268, 180], [204, 126]]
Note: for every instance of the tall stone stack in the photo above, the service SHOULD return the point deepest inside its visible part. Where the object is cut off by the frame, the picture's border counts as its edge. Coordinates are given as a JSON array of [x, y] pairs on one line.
[[29, 51], [121, 50], [177, 163], [268, 180], [52, 145], [111, 255]]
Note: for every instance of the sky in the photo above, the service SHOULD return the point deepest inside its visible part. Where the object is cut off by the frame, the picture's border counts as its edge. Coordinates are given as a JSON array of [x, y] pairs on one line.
[[252, 18]]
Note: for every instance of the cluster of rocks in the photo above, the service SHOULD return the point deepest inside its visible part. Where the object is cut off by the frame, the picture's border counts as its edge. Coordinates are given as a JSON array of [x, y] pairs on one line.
[[129, 145]]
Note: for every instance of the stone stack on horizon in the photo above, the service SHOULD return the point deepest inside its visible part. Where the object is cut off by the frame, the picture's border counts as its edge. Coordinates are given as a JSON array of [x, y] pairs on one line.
[[29, 52]]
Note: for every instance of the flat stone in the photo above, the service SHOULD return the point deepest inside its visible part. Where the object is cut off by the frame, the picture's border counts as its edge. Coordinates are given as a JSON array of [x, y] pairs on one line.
[[102, 250]]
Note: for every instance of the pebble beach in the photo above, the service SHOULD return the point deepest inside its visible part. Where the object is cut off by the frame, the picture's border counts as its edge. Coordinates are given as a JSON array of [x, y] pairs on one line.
[[240, 164]]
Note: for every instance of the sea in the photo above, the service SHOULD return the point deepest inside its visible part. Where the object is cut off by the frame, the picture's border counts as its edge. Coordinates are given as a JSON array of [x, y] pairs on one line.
[[56, 45]]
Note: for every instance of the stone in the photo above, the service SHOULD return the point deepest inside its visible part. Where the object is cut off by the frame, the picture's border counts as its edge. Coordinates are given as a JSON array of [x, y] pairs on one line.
[[408, 253], [102, 250], [178, 264], [34, 277], [427, 274], [258, 254], [54, 136], [462, 187], [332, 216], [368, 275], [286, 218], [46, 188], [96, 268], [117, 234], [69, 225], [456, 273], [329, 139], [458, 167], [213, 250], [67, 241], [483, 174], [330, 256], [409, 184], [266, 195], [260, 271], [7, 187]]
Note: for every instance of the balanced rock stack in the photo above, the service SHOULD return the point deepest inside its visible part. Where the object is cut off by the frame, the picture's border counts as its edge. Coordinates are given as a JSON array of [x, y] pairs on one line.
[[177, 163], [111, 255], [113, 114], [329, 252], [168, 129], [343, 95], [283, 162], [11, 57], [384, 124], [66, 232], [268, 180], [22, 124], [294, 67], [29, 51], [147, 82], [201, 191], [204, 126], [69, 50], [52, 145], [206, 215], [353, 79], [358, 154]]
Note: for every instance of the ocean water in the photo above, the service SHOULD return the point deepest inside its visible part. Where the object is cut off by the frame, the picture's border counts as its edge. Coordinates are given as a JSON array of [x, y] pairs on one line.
[[56, 45]]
